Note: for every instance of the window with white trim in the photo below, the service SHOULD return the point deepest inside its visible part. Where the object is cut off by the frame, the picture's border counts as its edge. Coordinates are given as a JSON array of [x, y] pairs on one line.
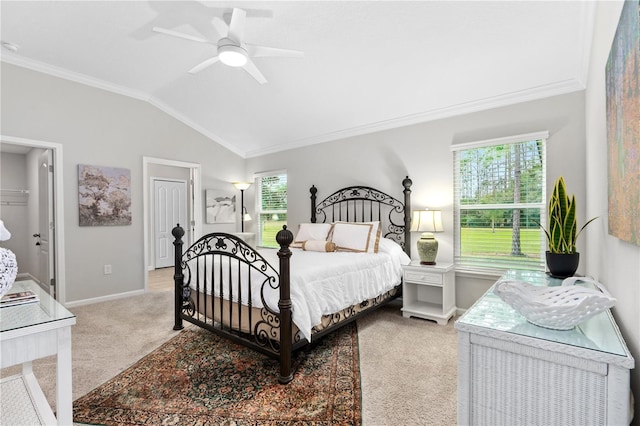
[[271, 199], [499, 201]]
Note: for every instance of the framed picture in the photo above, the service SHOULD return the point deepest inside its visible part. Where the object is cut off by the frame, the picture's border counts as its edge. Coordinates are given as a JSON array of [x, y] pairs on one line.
[[220, 206], [104, 195], [623, 127]]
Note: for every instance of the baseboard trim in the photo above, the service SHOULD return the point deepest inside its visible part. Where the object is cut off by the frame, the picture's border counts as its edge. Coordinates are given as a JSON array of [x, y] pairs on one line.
[[26, 276], [103, 298]]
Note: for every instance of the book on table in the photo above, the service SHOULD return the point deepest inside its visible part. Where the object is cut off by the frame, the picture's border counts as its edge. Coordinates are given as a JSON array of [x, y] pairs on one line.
[[18, 298]]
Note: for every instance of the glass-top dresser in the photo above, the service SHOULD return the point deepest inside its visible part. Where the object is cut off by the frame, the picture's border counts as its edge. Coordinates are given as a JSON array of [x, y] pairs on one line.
[[512, 372], [28, 332]]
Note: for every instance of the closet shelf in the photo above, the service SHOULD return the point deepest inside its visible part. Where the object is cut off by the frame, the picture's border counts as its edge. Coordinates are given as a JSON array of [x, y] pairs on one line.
[[13, 197], [24, 192]]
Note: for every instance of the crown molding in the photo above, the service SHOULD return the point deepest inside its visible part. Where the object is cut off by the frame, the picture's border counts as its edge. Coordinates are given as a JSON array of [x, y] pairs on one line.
[[114, 88], [72, 76], [531, 94], [198, 128]]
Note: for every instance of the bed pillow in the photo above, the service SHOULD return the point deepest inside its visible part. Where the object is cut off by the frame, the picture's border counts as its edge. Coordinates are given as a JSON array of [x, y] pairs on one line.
[[319, 245], [354, 237], [374, 234], [311, 231]]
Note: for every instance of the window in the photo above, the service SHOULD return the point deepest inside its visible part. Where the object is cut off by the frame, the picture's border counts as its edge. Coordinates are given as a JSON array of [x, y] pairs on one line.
[[272, 206], [499, 199]]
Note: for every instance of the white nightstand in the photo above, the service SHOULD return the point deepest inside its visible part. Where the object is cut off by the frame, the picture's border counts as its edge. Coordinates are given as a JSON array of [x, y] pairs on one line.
[[429, 291]]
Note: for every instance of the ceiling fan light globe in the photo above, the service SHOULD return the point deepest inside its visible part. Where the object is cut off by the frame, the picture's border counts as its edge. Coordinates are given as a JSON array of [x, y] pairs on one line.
[[233, 56]]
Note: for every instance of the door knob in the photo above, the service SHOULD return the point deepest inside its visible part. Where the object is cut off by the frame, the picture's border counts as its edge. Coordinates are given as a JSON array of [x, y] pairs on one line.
[[36, 235]]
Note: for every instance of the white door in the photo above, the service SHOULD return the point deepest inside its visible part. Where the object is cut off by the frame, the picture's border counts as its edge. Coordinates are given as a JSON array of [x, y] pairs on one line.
[[170, 208], [46, 267]]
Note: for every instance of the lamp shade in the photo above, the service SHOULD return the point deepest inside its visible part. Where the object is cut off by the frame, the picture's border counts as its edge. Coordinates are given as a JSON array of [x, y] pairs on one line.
[[242, 185], [427, 221]]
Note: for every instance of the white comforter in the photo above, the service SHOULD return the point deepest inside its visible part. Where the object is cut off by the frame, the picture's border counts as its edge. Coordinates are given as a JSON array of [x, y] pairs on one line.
[[325, 283]]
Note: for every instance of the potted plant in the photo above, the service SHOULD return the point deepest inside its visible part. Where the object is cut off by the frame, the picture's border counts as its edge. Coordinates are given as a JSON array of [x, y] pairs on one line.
[[562, 258]]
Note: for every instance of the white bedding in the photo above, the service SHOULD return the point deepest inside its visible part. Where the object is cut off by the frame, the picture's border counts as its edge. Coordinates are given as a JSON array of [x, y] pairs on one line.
[[324, 283]]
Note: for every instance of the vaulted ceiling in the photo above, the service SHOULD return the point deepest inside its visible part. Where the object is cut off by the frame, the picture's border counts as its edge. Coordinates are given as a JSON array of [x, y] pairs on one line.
[[367, 65]]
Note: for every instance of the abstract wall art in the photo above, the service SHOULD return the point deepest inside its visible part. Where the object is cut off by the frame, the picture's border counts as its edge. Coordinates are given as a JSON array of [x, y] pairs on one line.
[[623, 127], [220, 206]]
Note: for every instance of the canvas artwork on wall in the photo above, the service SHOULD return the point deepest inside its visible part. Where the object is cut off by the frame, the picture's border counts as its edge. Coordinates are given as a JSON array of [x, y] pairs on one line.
[[623, 127], [220, 206], [104, 195]]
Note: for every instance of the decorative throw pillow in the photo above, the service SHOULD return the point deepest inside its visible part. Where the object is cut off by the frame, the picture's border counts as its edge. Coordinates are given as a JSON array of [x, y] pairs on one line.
[[311, 231], [374, 234], [355, 237], [319, 245]]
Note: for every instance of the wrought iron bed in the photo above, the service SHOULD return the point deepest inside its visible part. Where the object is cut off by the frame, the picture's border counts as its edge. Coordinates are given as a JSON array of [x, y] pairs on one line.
[[264, 329]]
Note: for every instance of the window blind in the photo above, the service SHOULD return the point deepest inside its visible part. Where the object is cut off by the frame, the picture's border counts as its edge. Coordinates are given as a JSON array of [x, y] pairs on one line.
[[499, 199], [272, 206]]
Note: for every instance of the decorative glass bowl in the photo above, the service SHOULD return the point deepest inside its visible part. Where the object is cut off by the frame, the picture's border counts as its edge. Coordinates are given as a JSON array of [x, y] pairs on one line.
[[559, 308]]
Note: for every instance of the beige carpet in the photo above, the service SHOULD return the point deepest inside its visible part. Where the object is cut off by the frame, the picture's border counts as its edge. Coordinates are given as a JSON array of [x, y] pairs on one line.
[[408, 366]]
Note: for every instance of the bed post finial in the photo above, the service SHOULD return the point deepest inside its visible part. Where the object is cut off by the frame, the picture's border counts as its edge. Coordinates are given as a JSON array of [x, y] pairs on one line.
[[284, 238], [178, 278], [406, 182], [313, 191]]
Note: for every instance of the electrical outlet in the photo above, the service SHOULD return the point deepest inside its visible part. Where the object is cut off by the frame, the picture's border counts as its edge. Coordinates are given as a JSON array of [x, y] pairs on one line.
[[107, 269]]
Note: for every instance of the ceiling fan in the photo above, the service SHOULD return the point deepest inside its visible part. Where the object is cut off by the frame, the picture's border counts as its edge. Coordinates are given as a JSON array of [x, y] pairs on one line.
[[231, 48]]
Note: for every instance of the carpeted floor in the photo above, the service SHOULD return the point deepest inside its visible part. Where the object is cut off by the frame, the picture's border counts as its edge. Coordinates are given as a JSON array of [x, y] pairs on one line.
[[407, 366], [198, 378]]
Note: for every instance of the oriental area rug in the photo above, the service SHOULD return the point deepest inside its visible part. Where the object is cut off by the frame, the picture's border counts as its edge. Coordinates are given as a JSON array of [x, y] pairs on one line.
[[198, 378]]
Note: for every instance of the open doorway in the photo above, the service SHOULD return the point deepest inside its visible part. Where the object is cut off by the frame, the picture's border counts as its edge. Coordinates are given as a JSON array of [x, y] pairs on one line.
[[171, 196], [32, 203]]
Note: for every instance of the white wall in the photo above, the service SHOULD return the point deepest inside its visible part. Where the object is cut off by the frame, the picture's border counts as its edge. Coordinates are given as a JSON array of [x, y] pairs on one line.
[[612, 261], [422, 151], [101, 128]]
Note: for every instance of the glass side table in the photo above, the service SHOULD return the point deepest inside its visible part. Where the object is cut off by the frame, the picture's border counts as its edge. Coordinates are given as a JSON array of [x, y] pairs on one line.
[[28, 332]]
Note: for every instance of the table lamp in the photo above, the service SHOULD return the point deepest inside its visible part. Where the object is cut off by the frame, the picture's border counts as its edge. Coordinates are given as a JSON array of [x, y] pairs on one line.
[[427, 222]]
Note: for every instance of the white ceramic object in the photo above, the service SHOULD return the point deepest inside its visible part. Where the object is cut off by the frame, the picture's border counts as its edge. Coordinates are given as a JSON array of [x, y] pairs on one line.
[[559, 308], [8, 270]]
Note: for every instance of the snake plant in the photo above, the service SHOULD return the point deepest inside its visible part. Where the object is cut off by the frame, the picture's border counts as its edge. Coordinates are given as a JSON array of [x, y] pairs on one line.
[[561, 232]]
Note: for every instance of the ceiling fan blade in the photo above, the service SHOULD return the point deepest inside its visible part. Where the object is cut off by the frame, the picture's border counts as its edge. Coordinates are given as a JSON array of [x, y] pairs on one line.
[[204, 64], [236, 26], [262, 51], [251, 13], [254, 72], [181, 35], [221, 28]]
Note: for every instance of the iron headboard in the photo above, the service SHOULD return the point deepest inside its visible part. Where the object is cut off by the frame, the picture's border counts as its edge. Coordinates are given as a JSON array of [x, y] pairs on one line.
[[366, 204]]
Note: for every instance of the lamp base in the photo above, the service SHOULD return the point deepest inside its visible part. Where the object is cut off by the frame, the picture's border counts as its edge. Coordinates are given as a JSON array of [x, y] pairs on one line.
[[427, 249]]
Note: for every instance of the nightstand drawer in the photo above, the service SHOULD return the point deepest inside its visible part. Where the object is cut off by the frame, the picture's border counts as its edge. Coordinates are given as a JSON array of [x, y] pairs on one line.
[[423, 277]]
